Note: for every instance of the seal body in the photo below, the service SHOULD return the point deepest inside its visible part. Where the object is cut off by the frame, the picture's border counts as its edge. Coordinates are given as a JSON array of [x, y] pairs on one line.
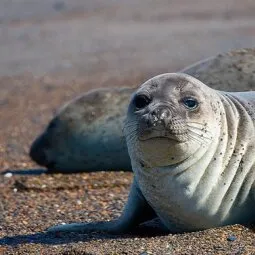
[[194, 166], [86, 134], [192, 151]]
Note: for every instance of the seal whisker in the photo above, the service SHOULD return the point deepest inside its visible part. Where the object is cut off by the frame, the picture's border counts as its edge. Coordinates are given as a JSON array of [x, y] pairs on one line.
[[131, 133], [201, 135], [131, 138], [130, 129], [198, 138], [195, 139], [197, 125], [129, 124], [202, 127], [194, 122], [198, 134]]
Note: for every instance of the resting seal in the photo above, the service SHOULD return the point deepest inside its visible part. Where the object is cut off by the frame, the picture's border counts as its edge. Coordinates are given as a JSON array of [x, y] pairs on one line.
[[192, 151], [86, 134]]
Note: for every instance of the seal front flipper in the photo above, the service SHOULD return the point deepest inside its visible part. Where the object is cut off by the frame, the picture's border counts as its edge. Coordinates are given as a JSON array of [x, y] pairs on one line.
[[136, 211]]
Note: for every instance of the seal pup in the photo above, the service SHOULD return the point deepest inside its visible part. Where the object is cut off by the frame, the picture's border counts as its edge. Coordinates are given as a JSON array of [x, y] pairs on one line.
[[86, 134], [192, 151]]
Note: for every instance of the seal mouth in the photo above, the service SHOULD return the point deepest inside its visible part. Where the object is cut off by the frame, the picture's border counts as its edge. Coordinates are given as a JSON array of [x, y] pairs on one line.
[[172, 137], [141, 138]]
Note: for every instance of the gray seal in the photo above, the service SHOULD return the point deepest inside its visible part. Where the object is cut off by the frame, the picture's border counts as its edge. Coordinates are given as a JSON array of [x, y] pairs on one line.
[[86, 134], [192, 151]]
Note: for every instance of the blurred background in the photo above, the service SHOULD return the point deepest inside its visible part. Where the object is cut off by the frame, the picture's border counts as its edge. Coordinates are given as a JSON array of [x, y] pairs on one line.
[[74, 39], [53, 50]]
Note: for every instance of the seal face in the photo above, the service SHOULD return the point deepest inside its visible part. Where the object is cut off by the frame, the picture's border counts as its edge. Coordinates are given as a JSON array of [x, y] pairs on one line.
[[192, 151], [176, 116]]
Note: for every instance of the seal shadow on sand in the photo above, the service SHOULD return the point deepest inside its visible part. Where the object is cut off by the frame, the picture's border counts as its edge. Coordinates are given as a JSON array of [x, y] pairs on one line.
[[148, 229], [32, 172], [145, 230]]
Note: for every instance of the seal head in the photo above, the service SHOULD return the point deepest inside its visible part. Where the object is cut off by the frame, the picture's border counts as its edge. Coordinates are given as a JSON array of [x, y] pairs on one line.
[[172, 114]]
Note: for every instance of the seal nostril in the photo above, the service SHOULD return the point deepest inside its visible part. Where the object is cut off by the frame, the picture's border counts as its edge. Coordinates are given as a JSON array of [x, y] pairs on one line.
[[161, 114], [164, 114]]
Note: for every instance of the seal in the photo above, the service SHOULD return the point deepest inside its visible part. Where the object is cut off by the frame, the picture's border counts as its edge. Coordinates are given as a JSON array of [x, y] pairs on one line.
[[192, 151], [86, 134]]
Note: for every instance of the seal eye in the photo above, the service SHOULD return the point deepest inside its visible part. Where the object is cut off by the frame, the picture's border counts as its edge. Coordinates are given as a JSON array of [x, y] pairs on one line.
[[140, 101], [190, 103]]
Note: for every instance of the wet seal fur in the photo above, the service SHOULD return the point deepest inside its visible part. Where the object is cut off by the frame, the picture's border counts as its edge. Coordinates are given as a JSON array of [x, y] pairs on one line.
[[192, 151], [86, 134]]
